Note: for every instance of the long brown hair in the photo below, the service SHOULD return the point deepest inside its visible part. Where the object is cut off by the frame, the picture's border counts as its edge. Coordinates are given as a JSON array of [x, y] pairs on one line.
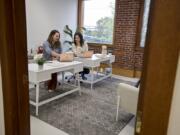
[[81, 38], [50, 39]]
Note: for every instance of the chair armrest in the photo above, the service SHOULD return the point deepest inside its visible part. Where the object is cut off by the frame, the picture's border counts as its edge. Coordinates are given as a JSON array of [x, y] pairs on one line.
[[127, 87], [128, 97]]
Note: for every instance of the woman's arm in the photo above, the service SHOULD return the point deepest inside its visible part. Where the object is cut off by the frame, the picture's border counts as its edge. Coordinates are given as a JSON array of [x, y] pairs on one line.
[[49, 51], [54, 54], [85, 47], [74, 50]]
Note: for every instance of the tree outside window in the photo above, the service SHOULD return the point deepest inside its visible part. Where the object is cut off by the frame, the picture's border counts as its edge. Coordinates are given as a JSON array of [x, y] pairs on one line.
[[99, 21]]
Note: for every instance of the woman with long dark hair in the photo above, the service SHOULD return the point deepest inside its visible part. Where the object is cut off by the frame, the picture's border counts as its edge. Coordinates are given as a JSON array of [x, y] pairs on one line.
[[51, 51], [79, 47]]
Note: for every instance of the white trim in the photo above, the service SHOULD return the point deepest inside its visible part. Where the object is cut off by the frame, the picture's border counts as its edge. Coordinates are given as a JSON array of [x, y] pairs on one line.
[[125, 78], [2, 132], [174, 121], [39, 127]]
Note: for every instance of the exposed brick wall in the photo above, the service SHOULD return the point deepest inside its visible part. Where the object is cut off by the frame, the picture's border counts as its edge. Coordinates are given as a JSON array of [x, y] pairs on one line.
[[97, 48], [138, 56], [126, 27], [126, 24]]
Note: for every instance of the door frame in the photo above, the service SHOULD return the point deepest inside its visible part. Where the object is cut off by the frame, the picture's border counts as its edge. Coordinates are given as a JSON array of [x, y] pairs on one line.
[[13, 59], [159, 68]]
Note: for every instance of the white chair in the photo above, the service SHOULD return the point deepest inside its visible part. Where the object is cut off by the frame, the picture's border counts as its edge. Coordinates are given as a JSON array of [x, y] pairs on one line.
[[127, 98]]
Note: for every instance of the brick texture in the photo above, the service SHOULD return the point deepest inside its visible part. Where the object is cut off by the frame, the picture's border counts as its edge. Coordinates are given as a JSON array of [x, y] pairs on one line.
[[126, 28]]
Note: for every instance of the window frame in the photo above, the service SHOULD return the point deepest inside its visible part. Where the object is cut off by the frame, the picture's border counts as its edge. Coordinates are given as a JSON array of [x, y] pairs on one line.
[[80, 20], [139, 27]]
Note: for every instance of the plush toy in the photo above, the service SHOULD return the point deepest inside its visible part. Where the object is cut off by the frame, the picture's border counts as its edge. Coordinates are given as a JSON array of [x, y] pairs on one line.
[[40, 50]]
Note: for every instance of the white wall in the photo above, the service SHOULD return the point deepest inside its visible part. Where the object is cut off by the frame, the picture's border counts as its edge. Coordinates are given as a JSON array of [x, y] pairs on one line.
[[44, 15], [1, 107], [174, 122]]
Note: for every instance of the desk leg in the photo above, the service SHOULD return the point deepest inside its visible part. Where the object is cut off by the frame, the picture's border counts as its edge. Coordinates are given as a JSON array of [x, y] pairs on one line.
[[111, 70], [92, 78], [62, 79], [37, 98], [97, 71], [75, 80], [79, 86]]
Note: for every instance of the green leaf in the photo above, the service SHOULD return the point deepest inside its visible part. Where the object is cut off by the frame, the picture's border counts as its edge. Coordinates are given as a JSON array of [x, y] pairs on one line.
[[69, 42], [83, 28], [80, 29], [67, 27], [40, 61], [68, 33]]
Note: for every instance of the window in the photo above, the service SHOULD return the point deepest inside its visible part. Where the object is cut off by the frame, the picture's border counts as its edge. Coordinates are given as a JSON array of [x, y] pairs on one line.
[[145, 22], [99, 21]]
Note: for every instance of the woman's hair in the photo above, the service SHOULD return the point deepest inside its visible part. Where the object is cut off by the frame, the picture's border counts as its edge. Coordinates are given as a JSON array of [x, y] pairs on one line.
[[81, 38], [50, 39]]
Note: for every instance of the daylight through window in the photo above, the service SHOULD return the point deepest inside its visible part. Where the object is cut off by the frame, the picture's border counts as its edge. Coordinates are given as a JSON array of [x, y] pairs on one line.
[[99, 21]]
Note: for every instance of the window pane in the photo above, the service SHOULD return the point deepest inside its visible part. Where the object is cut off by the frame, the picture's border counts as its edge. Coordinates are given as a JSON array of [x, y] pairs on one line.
[[99, 21], [145, 22]]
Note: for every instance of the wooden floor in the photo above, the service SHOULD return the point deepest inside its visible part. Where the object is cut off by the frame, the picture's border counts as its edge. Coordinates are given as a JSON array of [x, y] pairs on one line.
[[39, 127]]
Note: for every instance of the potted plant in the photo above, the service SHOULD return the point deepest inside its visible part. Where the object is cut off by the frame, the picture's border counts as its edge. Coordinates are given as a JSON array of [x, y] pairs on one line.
[[69, 33], [39, 60]]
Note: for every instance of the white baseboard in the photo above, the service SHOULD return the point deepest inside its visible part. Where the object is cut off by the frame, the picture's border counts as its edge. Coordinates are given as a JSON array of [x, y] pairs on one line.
[[125, 78], [2, 128]]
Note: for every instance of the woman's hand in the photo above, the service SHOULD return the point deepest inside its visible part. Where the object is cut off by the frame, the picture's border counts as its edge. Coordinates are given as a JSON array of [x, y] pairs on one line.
[[55, 58], [59, 57]]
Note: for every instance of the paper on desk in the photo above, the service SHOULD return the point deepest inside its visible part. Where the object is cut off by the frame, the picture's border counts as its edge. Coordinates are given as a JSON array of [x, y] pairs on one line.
[[54, 63]]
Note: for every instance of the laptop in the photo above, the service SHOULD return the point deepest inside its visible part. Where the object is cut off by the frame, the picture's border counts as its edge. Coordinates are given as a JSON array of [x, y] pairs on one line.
[[87, 54], [66, 57]]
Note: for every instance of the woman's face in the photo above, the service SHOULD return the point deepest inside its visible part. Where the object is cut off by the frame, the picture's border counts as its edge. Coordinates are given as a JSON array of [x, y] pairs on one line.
[[77, 39], [56, 37]]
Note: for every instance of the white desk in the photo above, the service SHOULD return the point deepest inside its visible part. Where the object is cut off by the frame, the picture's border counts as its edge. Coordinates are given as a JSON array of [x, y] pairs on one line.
[[95, 62], [37, 75]]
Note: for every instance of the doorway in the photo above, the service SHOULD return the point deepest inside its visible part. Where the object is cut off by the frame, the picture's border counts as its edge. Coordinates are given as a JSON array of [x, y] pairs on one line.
[[14, 66]]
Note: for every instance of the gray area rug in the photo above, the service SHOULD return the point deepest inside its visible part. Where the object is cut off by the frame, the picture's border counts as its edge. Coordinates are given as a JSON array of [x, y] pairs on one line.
[[92, 113]]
